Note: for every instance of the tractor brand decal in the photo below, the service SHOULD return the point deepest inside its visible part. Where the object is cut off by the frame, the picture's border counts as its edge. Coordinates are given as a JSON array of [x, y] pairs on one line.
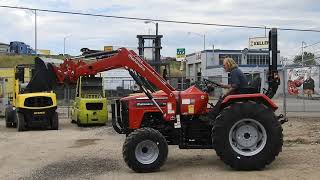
[[150, 104], [137, 61], [145, 104]]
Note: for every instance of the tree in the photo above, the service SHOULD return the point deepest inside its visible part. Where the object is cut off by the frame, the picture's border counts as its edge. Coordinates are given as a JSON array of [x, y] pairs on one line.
[[308, 59]]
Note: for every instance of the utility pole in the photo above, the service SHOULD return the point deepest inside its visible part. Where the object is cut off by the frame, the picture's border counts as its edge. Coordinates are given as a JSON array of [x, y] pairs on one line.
[[265, 31], [64, 44], [204, 41], [35, 32], [302, 61]]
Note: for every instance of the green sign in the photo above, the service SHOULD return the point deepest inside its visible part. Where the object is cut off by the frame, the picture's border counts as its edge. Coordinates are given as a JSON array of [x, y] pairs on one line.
[[181, 53]]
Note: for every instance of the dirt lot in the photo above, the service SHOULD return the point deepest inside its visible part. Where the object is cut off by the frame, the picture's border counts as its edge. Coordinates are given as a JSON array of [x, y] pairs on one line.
[[95, 153]]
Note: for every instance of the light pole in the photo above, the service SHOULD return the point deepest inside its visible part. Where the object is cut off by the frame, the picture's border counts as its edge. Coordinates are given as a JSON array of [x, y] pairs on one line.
[[147, 22], [64, 44], [302, 61], [204, 49], [201, 35], [35, 31]]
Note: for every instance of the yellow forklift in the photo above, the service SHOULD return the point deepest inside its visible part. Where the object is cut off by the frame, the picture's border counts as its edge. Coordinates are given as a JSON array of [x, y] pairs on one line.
[[90, 105], [34, 103]]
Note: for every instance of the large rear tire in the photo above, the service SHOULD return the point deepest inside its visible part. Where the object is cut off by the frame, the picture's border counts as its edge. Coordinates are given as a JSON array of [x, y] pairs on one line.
[[145, 150], [247, 136], [21, 124]]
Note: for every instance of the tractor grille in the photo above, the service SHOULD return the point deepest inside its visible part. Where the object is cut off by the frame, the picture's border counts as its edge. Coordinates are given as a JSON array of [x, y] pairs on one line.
[[39, 101], [125, 114], [94, 106]]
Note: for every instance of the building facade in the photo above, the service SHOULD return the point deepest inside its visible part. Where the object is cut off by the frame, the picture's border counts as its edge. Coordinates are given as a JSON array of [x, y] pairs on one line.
[[4, 48], [209, 64]]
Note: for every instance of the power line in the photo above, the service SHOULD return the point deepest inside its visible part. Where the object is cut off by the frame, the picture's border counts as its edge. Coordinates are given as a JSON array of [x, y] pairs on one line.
[[312, 44], [160, 20]]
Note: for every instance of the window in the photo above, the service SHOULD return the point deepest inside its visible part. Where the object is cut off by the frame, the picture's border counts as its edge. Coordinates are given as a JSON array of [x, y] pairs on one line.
[[235, 57], [257, 59]]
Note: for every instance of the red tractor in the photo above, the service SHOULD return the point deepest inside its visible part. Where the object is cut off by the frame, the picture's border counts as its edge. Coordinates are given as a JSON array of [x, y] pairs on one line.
[[246, 134]]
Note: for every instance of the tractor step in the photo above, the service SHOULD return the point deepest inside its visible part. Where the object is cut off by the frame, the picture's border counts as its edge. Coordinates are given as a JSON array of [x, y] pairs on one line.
[[195, 146]]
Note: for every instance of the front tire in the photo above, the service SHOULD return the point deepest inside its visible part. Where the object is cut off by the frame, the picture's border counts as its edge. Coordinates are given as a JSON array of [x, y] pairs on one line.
[[79, 124], [145, 150], [247, 136], [55, 121], [21, 124]]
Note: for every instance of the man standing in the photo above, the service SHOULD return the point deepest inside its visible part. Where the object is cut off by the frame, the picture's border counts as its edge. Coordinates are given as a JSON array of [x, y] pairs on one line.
[[308, 86]]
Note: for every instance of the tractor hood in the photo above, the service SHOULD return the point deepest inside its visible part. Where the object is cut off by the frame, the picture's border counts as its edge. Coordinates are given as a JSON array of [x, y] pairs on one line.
[[189, 102], [191, 91]]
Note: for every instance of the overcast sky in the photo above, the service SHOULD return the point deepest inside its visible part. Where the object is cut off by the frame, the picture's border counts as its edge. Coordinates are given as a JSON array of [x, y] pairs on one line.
[[96, 32]]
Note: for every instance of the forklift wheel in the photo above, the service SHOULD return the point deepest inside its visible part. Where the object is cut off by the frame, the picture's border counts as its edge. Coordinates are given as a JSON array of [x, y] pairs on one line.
[[145, 150], [55, 121], [247, 136], [21, 125], [79, 123], [8, 124], [9, 117]]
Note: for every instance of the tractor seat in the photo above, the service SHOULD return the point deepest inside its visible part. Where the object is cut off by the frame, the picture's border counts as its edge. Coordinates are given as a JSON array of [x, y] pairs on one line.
[[248, 90]]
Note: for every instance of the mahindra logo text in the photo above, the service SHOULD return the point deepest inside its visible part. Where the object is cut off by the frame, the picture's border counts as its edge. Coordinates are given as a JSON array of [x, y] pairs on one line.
[[137, 61]]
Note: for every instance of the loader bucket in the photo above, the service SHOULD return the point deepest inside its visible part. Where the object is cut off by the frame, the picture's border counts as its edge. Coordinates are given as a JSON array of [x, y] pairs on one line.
[[42, 79]]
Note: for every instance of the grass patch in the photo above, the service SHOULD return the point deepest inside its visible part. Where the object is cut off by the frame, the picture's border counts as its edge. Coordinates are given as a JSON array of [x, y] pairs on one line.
[[12, 61]]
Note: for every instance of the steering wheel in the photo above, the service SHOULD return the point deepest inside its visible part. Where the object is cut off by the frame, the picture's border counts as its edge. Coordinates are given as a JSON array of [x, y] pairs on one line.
[[211, 83]]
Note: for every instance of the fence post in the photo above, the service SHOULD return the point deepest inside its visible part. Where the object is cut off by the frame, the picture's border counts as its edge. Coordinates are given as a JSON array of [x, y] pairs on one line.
[[182, 84], [284, 92], [68, 101]]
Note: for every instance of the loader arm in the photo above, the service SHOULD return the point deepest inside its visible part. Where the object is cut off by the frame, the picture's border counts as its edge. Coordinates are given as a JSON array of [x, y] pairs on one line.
[[122, 58]]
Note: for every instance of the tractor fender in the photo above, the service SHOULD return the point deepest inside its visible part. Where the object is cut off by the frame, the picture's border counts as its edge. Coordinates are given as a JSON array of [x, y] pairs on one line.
[[252, 97]]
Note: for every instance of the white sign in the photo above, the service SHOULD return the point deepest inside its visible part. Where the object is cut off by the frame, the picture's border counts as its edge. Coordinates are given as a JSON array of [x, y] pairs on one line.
[[299, 79], [259, 43]]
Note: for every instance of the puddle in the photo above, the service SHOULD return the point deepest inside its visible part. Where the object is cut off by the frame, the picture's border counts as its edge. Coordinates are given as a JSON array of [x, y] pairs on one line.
[[84, 142], [76, 168]]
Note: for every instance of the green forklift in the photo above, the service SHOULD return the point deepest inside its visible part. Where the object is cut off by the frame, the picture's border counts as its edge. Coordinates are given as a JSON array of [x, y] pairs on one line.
[[90, 105]]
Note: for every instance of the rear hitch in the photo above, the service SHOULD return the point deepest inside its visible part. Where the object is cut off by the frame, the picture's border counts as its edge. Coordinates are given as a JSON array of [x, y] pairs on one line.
[[282, 119]]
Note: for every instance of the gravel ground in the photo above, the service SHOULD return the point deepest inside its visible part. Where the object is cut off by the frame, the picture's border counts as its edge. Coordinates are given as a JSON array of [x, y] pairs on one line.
[[96, 153]]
